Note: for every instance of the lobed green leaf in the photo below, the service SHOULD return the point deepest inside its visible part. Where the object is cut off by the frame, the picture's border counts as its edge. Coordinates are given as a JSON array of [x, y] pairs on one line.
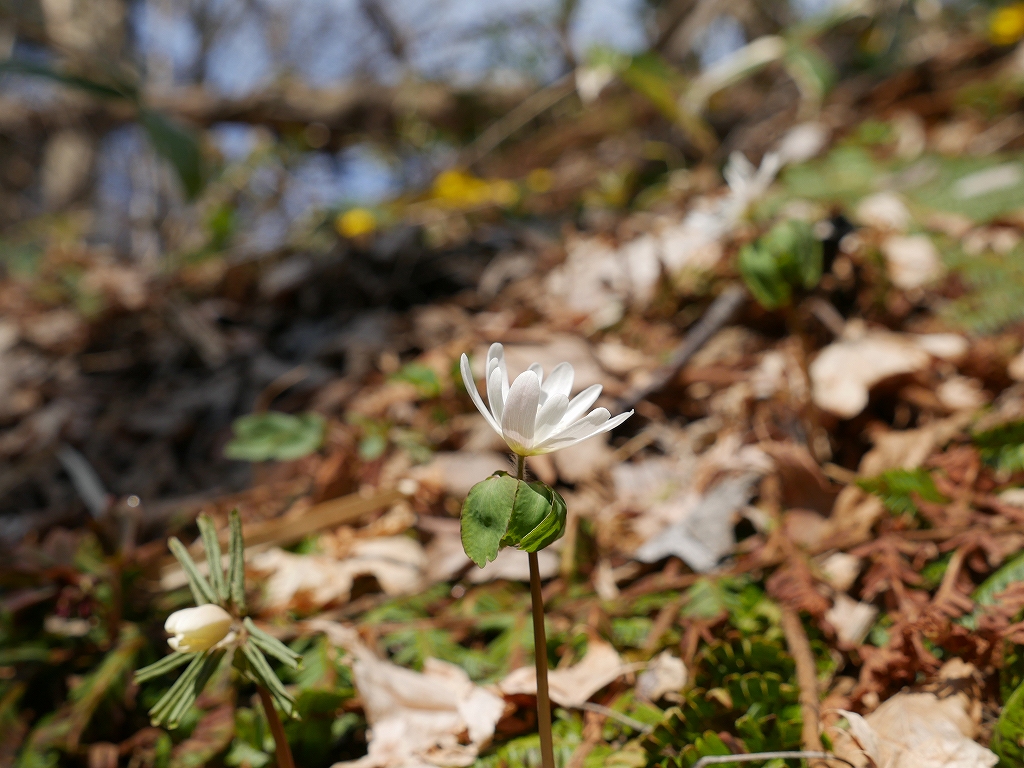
[[485, 516]]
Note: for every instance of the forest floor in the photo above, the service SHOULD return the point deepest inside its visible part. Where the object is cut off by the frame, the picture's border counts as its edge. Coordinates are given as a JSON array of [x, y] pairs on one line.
[[809, 536]]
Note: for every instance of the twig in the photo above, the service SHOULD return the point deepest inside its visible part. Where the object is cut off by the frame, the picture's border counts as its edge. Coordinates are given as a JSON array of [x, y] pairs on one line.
[[85, 480], [528, 109], [807, 755], [281, 748], [720, 312], [806, 677], [636, 725]]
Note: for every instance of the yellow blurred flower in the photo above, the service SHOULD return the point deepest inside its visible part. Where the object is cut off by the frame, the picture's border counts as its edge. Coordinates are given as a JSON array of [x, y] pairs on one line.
[[1006, 26], [356, 222], [503, 192], [540, 180], [458, 189]]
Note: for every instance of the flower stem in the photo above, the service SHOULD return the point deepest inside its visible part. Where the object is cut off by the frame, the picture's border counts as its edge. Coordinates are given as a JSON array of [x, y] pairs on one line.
[[281, 748], [540, 651]]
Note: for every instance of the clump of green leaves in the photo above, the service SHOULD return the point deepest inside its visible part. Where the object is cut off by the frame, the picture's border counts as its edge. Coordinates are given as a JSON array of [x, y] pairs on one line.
[[567, 730], [996, 295], [422, 377], [789, 256], [502, 511], [1008, 734], [228, 591], [898, 487], [743, 686], [275, 436], [1002, 446], [989, 590]]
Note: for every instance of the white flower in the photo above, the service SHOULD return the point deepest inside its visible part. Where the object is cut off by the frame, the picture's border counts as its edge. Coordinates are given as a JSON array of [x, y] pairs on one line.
[[199, 628], [535, 416]]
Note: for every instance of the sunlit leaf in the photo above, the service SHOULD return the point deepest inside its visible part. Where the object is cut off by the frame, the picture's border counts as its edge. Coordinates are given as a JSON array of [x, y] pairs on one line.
[[276, 436]]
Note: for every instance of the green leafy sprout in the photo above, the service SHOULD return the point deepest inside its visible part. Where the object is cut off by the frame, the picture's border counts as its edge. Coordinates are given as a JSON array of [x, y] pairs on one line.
[[276, 436], [249, 646], [789, 256]]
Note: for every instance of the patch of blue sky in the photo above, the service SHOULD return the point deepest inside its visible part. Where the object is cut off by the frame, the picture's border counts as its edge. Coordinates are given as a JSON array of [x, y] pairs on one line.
[[236, 141], [617, 24], [722, 37], [240, 62], [333, 40], [168, 39]]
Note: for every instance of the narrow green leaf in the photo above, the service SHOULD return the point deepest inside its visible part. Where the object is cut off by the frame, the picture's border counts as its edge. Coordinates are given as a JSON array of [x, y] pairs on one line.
[[180, 687], [201, 589], [236, 564], [264, 675], [485, 516], [178, 145], [118, 91], [271, 645], [210, 664], [162, 667], [213, 558]]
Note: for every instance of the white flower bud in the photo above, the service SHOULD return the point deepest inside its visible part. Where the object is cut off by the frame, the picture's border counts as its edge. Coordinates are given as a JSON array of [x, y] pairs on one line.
[[198, 629]]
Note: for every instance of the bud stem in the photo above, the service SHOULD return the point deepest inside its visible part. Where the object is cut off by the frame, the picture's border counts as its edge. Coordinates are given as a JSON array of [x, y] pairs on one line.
[[281, 748], [540, 650]]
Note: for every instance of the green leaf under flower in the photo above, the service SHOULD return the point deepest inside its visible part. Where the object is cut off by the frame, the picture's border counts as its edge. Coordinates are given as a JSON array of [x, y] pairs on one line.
[[503, 511]]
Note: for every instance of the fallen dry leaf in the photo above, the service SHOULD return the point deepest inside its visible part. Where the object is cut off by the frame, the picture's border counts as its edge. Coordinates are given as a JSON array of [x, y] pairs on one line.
[[665, 674], [913, 260], [575, 685], [885, 211], [312, 581], [706, 534], [437, 717], [843, 373], [916, 730], [852, 620], [513, 565]]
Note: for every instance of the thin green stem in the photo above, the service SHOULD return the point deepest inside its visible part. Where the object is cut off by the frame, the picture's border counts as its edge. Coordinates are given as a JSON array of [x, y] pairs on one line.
[[281, 748], [540, 651]]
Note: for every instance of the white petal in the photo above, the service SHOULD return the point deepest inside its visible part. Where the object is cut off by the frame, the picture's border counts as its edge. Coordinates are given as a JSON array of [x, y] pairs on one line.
[[496, 359], [495, 396], [539, 370], [562, 441], [549, 415], [560, 380], [579, 404], [474, 394], [519, 420], [193, 619]]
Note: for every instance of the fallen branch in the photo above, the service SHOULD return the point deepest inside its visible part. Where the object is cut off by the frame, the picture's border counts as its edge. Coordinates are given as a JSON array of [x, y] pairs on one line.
[[806, 677], [721, 311], [758, 756]]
